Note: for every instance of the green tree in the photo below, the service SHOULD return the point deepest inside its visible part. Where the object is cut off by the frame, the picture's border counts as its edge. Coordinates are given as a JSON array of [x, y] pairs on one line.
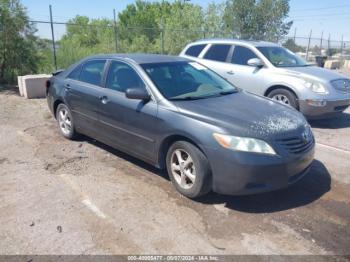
[[183, 23], [141, 14], [85, 37], [18, 44], [147, 26], [292, 46], [257, 19], [214, 24]]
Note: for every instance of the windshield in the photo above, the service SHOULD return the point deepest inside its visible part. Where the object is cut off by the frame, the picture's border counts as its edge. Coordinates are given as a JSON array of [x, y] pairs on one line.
[[187, 80], [281, 57]]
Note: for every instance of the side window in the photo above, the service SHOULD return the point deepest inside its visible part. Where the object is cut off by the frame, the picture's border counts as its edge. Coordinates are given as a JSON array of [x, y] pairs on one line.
[[75, 73], [218, 52], [92, 72], [194, 50], [121, 77], [241, 55]]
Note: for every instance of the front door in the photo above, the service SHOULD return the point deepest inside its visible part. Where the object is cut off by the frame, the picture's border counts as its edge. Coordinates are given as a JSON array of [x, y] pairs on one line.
[[127, 123], [242, 75]]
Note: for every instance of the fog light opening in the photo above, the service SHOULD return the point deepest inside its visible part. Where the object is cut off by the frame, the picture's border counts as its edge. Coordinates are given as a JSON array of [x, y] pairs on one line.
[[319, 103]]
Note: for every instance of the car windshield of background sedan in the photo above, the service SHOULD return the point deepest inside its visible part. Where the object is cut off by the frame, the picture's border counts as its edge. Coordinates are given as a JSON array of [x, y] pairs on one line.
[[281, 57], [187, 81]]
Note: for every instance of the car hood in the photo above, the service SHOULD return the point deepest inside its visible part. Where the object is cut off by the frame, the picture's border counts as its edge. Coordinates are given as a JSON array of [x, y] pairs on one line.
[[313, 72], [245, 114]]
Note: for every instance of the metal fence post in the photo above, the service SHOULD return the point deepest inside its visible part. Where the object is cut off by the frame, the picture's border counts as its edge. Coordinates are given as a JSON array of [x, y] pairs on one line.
[[115, 30], [321, 43], [162, 37], [341, 48], [329, 46], [308, 46], [53, 39]]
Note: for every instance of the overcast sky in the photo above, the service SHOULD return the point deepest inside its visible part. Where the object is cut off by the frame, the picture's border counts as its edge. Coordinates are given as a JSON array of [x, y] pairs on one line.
[[330, 16]]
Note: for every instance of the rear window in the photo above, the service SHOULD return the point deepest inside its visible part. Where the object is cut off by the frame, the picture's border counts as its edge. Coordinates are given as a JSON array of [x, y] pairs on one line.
[[75, 73], [218, 52], [194, 50]]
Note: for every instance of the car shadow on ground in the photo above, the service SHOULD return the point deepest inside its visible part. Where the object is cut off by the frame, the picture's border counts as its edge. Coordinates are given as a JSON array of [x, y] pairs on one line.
[[309, 189], [125, 156], [341, 121]]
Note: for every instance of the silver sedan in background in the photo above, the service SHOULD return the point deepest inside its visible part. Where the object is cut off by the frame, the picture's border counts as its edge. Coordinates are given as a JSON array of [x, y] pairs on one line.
[[267, 69]]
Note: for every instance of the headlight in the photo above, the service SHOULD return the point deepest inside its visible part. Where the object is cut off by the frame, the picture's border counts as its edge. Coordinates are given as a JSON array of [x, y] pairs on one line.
[[244, 144], [315, 86]]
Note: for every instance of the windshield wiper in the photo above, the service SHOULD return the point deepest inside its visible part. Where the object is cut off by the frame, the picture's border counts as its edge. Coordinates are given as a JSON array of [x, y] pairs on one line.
[[186, 98], [206, 96], [293, 65], [228, 92], [195, 97]]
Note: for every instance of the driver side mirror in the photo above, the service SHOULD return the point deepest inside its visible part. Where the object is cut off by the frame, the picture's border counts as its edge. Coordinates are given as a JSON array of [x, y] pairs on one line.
[[137, 93], [256, 62]]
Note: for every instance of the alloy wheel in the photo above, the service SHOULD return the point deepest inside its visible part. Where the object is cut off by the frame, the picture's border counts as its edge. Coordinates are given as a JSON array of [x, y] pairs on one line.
[[281, 98], [64, 121], [183, 169]]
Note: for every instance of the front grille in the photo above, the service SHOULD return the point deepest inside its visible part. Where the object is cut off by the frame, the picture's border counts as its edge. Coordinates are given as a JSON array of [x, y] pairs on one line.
[[342, 85], [296, 145]]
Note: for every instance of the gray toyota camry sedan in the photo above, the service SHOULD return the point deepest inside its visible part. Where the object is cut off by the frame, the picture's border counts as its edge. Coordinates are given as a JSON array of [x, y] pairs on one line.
[[179, 115]]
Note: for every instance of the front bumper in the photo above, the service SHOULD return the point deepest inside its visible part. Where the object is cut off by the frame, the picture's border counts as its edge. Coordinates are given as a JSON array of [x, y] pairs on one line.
[[329, 109], [239, 173]]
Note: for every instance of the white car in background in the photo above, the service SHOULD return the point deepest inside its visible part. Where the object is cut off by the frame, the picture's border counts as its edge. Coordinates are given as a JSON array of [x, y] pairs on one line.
[[267, 69]]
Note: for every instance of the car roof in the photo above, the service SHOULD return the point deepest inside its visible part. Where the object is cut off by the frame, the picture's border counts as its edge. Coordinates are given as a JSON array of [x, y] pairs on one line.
[[141, 58], [234, 41]]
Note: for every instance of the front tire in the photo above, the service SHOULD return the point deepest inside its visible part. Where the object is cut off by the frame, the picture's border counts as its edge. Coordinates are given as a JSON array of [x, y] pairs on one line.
[[188, 169], [284, 96], [65, 121]]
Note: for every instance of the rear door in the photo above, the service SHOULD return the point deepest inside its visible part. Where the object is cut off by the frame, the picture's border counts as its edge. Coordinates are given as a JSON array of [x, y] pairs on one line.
[[128, 124], [216, 58], [82, 91]]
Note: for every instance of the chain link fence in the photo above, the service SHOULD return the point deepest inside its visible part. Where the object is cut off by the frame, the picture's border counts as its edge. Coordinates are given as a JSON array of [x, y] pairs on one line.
[[310, 48], [68, 42]]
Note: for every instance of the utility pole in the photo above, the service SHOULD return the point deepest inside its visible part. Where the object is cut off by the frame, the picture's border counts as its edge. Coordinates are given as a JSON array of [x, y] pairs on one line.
[[53, 39]]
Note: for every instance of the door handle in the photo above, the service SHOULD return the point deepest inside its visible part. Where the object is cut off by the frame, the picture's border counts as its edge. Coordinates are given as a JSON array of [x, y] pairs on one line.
[[104, 99], [67, 87], [230, 72]]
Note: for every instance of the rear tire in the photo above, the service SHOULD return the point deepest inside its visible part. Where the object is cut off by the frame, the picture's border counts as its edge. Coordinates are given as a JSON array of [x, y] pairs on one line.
[[284, 96], [65, 122], [188, 169]]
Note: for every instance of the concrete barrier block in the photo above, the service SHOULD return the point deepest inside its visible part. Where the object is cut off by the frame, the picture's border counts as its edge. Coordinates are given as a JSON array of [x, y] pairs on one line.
[[34, 86], [332, 64], [20, 84], [346, 64]]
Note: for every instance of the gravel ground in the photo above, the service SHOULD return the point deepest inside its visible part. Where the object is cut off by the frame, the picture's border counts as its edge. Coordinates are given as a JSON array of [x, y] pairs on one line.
[[83, 197]]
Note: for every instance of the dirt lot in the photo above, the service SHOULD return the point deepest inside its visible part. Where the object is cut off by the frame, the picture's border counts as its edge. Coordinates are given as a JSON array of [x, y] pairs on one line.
[[82, 197]]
